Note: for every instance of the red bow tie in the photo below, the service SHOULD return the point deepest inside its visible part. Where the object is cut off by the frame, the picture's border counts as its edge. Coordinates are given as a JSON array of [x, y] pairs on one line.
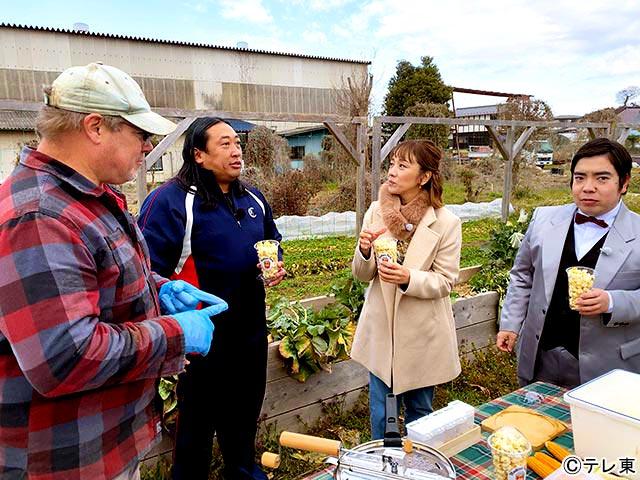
[[580, 219]]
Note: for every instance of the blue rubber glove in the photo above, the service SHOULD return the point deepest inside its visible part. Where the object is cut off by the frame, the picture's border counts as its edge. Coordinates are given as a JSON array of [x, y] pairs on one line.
[[179, 296], [197, 327]]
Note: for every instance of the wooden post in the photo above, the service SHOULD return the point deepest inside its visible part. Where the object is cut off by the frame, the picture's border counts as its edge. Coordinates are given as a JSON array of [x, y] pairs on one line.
[[624, 133], [361, 142], [509, 151], [597, 132], [141, 185], [154, 155], [524, 136], [342, 139], [508, 174], [375, 158], [496, 138], [393, 140], [455, 128]]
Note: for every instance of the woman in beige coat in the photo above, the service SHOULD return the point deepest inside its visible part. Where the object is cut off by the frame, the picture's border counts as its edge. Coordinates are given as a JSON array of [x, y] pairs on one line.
[[406, 335]]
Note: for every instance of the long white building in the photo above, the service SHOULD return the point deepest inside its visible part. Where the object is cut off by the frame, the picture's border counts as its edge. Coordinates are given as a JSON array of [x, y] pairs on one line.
[[174, 76]]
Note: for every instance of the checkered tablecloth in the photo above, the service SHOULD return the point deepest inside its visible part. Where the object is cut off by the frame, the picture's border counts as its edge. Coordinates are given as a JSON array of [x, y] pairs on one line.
[[475, 461]]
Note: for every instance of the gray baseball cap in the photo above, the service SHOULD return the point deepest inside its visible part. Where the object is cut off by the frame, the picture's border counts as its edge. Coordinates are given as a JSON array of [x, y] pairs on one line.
[[98, 88]]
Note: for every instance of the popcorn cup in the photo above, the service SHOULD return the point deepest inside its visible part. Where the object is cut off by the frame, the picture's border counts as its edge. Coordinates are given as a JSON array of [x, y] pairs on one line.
[[386, 248], [509, 452], [268, 257], [580, 280]]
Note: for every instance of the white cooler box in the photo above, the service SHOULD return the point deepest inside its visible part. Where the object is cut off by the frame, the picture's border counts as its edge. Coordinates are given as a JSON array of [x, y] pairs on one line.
[[605, 416]]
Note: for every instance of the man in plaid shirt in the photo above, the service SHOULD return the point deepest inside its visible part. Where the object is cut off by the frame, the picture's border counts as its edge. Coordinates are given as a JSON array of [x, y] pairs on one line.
[[83, 338]]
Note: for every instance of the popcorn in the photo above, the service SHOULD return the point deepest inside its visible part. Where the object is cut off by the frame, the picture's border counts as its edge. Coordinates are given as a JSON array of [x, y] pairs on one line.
[[509, 450], [580, 281], [386, 249], [268, 257]]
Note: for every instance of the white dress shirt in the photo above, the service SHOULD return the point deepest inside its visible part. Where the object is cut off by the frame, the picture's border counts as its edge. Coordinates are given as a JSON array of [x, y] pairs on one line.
[[587, 234]]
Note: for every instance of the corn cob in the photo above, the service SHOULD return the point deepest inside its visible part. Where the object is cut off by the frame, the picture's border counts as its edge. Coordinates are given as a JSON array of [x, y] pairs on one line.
[[548, 460], [557, 450], [538, 466]]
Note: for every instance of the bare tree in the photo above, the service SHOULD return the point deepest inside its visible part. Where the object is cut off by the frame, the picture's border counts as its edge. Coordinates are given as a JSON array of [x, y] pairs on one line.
[[627, 94], [352, 99]]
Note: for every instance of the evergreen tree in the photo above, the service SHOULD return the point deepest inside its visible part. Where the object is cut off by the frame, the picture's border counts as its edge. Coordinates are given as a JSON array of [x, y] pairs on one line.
[[412, 85]]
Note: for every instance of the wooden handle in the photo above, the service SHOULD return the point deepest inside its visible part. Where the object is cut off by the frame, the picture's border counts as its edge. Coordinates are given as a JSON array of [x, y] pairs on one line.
[[310, 444], [270, 460]]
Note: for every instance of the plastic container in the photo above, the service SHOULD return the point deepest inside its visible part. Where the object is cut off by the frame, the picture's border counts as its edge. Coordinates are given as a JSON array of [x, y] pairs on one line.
[[611, 404], [509, 452], [442, 425], [580, 281], [386, 249], [268, 258]]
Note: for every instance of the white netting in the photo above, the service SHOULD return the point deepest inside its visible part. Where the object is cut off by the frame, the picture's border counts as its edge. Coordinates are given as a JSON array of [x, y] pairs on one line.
[[293, 227]]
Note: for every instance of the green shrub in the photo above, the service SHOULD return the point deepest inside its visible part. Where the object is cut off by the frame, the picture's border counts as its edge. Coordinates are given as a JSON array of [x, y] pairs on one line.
[[500, 252], [310, 341], [468, 178]]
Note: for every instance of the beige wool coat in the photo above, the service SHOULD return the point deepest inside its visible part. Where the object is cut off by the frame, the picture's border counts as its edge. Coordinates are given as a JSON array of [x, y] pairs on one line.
[[408, 338]]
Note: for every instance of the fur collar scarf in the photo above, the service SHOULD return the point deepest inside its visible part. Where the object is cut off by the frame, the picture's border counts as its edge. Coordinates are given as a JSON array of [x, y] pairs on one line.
[[402, 220]]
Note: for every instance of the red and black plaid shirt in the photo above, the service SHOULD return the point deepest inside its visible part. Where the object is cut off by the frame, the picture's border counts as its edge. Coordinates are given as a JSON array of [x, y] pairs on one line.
[[82, 342]]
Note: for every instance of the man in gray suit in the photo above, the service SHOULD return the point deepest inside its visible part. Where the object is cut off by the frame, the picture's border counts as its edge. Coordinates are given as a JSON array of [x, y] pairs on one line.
[[555, 343]]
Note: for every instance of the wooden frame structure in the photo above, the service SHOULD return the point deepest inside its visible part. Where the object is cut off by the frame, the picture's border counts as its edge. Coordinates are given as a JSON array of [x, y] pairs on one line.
[[509, 148], [356, 152]]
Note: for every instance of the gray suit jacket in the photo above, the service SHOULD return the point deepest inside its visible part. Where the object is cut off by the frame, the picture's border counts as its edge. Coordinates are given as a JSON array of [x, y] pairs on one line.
[[605, 343]]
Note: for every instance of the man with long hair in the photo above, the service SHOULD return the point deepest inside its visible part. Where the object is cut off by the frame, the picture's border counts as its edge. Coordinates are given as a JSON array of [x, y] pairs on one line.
[[201, 226]]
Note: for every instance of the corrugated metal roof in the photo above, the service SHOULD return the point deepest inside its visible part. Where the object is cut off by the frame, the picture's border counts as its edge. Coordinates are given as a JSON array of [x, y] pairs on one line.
[[17, 120], [474, 111], [240, 126], [301, 130], [26, 120], [175, 42]]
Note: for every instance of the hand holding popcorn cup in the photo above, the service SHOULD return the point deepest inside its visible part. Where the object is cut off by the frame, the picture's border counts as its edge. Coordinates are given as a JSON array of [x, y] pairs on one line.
[[386, 249], [580, 281], [268, 258], [509, 452]]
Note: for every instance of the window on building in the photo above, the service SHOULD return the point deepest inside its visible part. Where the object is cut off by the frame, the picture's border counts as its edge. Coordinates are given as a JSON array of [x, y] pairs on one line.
[[157, 167], [297, 153]]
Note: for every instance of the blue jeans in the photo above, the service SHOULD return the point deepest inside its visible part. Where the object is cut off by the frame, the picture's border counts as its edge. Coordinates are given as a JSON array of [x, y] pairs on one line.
[[417, 403]]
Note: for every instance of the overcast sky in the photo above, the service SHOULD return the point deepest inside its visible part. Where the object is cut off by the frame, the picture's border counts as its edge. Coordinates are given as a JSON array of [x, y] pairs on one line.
[[574, 54]]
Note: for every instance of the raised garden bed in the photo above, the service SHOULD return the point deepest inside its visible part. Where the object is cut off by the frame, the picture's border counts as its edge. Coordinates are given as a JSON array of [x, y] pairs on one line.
[[292, 404]]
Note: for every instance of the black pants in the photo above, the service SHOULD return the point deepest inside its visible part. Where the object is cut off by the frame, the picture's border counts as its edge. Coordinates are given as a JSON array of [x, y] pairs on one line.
[[221, 393]]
